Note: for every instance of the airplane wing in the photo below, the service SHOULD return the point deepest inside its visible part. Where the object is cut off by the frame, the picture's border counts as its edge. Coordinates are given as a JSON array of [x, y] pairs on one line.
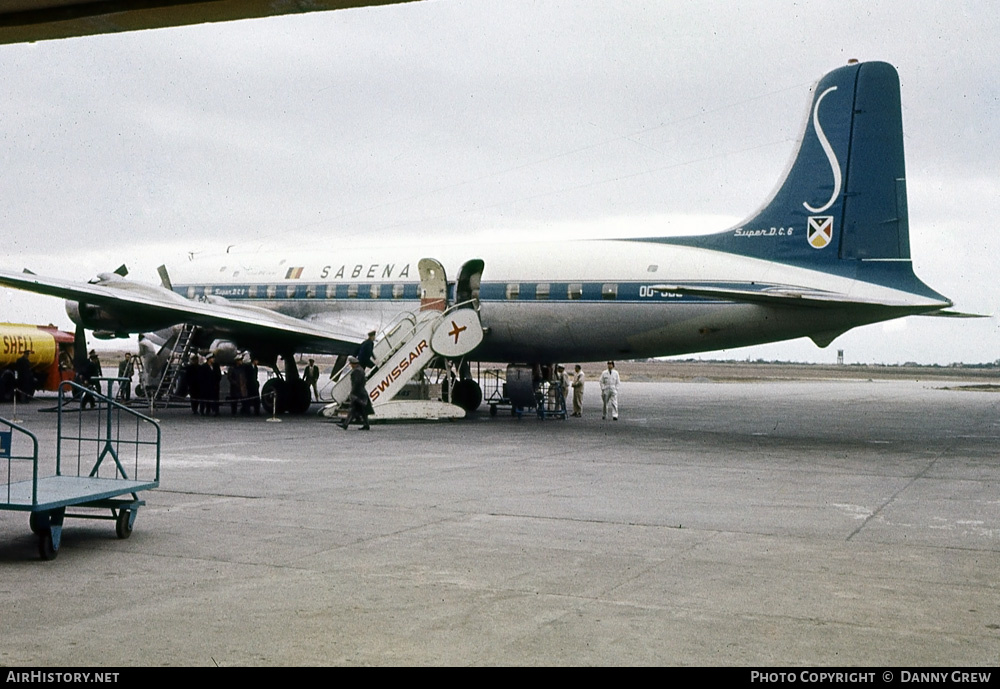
[[26, 21], [151, 307]]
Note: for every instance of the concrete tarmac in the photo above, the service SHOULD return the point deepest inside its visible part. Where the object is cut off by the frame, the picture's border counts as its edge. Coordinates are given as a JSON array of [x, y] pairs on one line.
[[758, 524]]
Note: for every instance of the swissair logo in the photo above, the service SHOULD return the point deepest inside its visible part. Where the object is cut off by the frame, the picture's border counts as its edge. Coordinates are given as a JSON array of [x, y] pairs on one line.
[[456, 330], [819, 232]]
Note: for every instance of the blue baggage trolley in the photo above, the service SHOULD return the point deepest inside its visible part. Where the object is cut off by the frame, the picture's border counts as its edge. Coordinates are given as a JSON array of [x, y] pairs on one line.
[[105, 457]]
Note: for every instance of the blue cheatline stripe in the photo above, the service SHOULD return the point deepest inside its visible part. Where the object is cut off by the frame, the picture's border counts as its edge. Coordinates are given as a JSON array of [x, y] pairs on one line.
[[532, 292]]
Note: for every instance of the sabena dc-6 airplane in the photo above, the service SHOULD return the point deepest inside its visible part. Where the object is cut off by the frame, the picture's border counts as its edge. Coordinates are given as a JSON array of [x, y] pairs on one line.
[[829, 252]]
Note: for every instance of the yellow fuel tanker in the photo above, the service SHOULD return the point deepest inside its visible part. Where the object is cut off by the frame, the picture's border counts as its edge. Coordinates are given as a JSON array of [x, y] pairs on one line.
[[50, 355]]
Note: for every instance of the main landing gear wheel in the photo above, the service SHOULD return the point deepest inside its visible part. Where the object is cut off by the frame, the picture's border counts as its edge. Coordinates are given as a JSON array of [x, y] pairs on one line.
[[299, 397], [280, 396], [272, 396], [467, 394]]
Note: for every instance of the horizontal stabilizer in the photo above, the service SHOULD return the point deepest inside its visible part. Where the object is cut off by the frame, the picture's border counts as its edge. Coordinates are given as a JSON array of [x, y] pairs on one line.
[[948, 313], [786, 296]]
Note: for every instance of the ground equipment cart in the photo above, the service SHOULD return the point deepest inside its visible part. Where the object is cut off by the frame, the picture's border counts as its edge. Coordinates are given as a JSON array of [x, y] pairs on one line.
[[524, 387], [105, 456]]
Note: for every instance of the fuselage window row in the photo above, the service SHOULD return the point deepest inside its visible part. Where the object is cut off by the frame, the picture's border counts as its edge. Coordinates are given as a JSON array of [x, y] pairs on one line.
[[514, 291]]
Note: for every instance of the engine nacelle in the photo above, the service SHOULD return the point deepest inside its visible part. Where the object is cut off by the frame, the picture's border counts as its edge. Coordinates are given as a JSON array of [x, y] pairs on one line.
[[225, 352], [121, 322]]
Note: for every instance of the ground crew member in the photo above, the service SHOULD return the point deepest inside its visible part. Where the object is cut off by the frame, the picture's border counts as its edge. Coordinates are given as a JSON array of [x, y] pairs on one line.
[[125, 370], [209, 378], [95, 360], [191, 381], [578, 391], [562, 387], [238, 393], [253, 385], [311, 376], [90, 370], [609, 391], [25, 377]]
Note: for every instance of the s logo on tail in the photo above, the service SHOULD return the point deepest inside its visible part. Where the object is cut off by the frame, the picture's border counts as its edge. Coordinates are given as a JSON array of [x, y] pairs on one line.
[[830, 156]]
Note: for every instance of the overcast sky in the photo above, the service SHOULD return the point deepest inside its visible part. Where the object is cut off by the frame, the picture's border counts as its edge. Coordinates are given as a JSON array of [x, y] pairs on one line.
[[450, 119]]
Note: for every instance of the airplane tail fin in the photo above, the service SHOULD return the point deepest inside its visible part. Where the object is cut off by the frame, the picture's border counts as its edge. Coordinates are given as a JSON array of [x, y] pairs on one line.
[[842, 202]]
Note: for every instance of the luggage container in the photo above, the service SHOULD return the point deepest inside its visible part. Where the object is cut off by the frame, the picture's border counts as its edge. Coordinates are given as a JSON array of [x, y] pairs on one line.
[[524, 387]]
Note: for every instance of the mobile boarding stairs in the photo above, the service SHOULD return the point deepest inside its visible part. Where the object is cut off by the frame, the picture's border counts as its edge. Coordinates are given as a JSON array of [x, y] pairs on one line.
[[406, 348]]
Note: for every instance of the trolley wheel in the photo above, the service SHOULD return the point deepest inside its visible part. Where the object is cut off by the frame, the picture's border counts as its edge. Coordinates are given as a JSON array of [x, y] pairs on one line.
[[37, 524], [493, 410], [46, 549], [122, 527]]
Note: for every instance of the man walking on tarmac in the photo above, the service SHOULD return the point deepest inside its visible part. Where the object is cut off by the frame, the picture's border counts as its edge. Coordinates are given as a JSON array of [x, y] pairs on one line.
[[609, 391], [360, 404]]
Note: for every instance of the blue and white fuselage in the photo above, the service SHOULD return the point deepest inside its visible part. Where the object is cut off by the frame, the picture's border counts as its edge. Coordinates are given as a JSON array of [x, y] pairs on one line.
[[828, 252], [579, 301]]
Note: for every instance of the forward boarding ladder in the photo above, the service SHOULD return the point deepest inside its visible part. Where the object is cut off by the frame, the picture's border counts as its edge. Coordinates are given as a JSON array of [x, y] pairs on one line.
[[178, 357]]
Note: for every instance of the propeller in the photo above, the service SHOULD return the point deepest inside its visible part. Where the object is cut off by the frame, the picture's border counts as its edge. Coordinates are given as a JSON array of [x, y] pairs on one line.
[[165, 278], [120, 271]]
